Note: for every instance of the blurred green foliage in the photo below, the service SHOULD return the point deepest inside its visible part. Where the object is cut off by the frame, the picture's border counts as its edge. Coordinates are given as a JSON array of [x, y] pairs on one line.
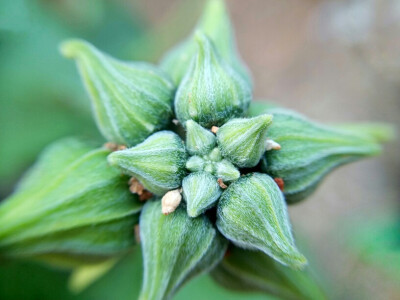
[[41, 98], [30, 281], [376, 242]]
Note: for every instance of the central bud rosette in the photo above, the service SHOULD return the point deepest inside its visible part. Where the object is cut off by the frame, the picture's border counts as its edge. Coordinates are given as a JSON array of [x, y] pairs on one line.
[[200, 168]]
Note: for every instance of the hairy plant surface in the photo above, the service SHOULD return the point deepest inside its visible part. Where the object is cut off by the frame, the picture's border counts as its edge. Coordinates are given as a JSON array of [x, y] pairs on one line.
[[191, 170]]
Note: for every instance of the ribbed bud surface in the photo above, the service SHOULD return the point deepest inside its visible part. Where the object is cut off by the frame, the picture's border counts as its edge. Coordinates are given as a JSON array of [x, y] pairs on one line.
[[211, 92], [175, 249], [199, 140], [158, 163], [129, 100], [252, 214], [242, 141], [201, 191], [214, 23], [309, 151]]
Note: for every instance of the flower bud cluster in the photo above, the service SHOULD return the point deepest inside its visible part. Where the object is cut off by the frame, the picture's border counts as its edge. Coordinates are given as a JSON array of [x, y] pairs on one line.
[[221, 172]]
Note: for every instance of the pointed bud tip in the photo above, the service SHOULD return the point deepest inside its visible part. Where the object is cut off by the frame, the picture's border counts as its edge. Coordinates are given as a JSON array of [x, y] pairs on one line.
[[200, 37], [265, 119], [299, 261], [112, 158], [72, 48], [193, 213]]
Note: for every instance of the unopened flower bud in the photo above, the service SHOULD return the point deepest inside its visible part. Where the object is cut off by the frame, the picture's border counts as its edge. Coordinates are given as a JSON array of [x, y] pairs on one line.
[[242, 141], [201, 191], [211, 92], [195, 164], [227, 171], [175, 248], [198, 139], [252, 214], [130, 100], [214, 23], [309, 151], [158, 162]]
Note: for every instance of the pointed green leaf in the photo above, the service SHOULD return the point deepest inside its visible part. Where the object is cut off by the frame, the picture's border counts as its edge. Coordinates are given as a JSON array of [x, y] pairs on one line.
[[211, 92], [158, 162], [242, 141], [253, 271], [175, 249], [309, 151], [252, 214], [71, 207], [198, 139], [130, 100], [201, 191], [214, 23]]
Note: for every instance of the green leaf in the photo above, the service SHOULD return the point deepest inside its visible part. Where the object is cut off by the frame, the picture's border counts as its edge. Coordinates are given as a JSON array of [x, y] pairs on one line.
[[253, 271], [71, 206], [130, 100], [158, 163], [242, 141], [252, 214], [211, 92], [175, 249]]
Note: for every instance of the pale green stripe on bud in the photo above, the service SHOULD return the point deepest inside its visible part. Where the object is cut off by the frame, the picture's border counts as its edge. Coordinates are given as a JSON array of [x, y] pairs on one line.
[[309, 151], [242, 141], [129, 100], [211, 92], [253, 271], [175, 248], [158, 162], [71, 207], [198, 139], [252, 214], [200, 191], [216, 24]]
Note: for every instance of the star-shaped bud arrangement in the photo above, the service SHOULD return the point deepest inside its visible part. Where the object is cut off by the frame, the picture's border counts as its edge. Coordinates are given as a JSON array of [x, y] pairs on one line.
[[181, 136]]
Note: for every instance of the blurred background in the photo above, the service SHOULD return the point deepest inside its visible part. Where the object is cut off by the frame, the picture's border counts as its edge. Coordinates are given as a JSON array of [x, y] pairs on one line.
[[334, 61]]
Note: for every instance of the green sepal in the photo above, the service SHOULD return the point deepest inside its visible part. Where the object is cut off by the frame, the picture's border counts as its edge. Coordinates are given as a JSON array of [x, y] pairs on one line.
[[242, 141], [253, 271], [252, 214], [199, 140], [200, 191], [211, 91], [158, 162], [70, 208], [309, 151], [216, 24], [130, 101], [175, 248]]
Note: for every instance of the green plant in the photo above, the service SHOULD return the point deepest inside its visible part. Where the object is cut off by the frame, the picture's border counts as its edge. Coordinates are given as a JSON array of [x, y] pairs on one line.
[[204, 171]]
